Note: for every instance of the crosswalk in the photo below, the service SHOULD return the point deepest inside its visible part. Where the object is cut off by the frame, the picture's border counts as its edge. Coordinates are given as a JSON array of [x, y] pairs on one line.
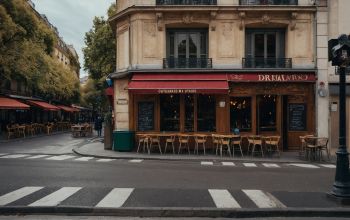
[[250, 165], [37, 196]]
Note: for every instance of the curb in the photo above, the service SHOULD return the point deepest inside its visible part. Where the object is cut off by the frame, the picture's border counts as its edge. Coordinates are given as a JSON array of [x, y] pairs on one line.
[[178, 212], [76, 151], [32, 137]]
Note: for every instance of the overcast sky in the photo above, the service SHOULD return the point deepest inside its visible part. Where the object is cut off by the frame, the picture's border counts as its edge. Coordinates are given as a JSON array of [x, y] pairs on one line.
[[73, 18]]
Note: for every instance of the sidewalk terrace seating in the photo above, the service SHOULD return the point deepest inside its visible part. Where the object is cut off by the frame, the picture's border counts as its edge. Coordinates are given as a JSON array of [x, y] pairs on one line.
[[81, 130]]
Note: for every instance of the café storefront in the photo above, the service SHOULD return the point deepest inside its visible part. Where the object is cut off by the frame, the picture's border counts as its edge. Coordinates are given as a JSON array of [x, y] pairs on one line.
[[255, 103]]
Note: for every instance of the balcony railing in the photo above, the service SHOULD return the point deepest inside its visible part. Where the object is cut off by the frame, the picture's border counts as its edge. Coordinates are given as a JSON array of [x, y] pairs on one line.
[[186, 2], [199, 63], [268, 2], [267, 62]]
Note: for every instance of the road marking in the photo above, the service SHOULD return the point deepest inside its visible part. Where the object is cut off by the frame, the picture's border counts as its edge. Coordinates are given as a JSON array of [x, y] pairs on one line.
[[263, 200], [116, 198], [328, 165], [270, 165], [249, 164], [37, 156], [84, 158], [17, 194], [135, 161], [304, 165], [105, 160], [61, 157], [2, 154], [14, 156], [232, 164], [223, 199], [207, 163], [57, 197]]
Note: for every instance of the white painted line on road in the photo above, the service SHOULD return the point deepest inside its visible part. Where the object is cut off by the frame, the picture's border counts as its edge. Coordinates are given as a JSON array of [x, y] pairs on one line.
[[263, 200], [249, 164], [270, 165], [223, 199], [207, 163], [37, 156], [57, 197], [14, 156], [232, 164], [116, 198], [17, 194], [2, 154], [304, 165], [84, 158], [61, 157], [328, 165], [105, 160], [135, 161]]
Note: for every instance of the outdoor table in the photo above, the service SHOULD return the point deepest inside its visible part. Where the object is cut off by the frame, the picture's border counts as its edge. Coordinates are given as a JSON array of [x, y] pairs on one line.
[[76, 130]]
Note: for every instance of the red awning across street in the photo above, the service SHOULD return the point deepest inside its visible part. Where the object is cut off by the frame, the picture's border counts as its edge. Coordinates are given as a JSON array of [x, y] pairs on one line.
[[67, 109], [7, 103], [44, 105]]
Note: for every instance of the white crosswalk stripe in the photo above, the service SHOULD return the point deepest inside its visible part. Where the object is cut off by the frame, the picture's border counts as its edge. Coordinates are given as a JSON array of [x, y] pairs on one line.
[[84, 158], [263, 200], [14, 156], [135, 161], [249, 164], [271, 165], [207, 163], [304, 165], [327, 165], [2, 154], [57, 197], [223, 198], [61, 157], [37, 156], [116, 198], [105, 160], [18, 194], [228, 164]]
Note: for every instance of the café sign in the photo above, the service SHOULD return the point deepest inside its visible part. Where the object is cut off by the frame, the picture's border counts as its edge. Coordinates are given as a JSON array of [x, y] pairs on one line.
[[177, 91], [272, 77]]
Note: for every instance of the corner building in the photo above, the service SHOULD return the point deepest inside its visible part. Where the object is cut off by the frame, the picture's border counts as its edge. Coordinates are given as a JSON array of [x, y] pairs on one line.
[[210, 66]]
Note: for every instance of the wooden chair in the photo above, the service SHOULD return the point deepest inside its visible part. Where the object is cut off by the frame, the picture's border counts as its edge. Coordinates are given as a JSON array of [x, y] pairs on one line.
[[257, 142], [200, 139], [30, 129], [49, 128], [272, 144], [143, 140], [322, 144], [183, 142], [303, 145], [216, 142], [236, 144], [250, 139], [11, 131], [311, 148], [155, 142], [170, 140], [225, 142]]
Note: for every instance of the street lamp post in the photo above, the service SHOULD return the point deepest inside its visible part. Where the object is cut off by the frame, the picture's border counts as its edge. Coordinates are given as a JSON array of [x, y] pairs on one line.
[[339, 55]]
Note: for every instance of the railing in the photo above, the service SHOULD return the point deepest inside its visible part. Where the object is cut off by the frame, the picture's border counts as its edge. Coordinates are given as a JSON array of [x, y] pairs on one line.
[[267, 62], [200, 63], [186, 2], [268, 2]]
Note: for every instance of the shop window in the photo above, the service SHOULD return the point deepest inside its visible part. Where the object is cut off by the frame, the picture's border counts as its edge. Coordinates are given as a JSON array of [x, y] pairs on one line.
[[206, 113], [267, 113], [241, 113], [170, 113], [189, 113]]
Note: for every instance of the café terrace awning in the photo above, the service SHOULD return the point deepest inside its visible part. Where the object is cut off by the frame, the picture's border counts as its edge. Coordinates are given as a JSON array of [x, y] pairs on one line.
[[154, 83], [7, 103], [44, 105], [67, 109]]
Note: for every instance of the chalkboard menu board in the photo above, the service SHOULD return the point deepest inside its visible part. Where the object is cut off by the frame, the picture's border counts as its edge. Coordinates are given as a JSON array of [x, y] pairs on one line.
[[297, 117], [145, 116]]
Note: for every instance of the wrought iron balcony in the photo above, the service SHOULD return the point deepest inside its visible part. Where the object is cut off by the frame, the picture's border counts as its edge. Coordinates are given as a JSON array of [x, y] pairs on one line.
[[268, 2], [267, 62], [178, 63], [186, 2]]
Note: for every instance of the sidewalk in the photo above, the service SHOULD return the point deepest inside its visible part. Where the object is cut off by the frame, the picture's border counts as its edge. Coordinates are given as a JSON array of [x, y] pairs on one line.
[[96, 149]]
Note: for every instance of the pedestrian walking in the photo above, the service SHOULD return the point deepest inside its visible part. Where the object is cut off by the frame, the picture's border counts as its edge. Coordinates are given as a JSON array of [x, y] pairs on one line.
[[98, 126]]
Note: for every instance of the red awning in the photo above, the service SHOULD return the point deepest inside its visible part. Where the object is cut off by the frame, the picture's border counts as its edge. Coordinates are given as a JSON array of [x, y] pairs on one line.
[[179, 83], [44, 105], [6, 103], [67, 109]]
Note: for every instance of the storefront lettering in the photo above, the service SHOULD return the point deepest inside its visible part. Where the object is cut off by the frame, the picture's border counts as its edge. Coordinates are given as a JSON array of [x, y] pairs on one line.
[[177, 91], [271, 77]]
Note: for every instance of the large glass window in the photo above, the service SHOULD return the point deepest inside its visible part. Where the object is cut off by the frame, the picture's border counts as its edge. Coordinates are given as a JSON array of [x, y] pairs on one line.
[[170, 112], [241, 113], [206, 113], [267, 112], [189, 113]]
